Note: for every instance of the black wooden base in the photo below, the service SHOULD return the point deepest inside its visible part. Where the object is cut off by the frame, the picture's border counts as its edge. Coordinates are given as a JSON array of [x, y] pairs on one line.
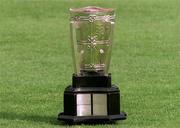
[[91, 98], [91, 104]]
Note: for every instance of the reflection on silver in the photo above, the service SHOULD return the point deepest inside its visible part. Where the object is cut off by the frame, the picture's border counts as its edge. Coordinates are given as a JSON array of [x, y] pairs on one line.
[[99, 110], [99, 104], [83, 110], [83, 99], [100, 99], [101, 51]]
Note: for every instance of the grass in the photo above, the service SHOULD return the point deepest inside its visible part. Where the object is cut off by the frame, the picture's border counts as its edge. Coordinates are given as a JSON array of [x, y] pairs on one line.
[[36, 63]]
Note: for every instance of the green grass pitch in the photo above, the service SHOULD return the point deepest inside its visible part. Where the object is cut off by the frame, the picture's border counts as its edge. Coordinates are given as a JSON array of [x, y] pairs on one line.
[[36, 63]]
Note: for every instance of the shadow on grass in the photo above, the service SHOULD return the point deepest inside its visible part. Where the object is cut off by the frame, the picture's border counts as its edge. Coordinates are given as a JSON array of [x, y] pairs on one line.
[[38, 118], [34, 118]]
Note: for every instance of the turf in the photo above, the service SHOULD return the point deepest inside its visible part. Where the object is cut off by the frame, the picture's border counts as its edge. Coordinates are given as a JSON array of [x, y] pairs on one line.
[[36, 62]]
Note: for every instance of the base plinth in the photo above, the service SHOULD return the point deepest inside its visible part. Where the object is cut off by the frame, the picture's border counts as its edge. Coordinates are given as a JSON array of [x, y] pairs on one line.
[[91, 119], [87, 104]]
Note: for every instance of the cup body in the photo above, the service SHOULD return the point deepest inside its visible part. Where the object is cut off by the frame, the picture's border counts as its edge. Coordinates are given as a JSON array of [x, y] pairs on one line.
[[91, 39]]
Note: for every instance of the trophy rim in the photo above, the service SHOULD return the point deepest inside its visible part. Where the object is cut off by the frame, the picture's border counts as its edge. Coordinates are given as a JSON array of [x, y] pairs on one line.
[[91, 9]]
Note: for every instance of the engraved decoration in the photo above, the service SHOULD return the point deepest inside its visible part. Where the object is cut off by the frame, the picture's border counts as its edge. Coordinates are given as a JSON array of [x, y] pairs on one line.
[[92, 18]]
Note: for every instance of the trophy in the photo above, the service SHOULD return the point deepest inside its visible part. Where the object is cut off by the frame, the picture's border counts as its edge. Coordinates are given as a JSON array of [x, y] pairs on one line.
[[91, 97]]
